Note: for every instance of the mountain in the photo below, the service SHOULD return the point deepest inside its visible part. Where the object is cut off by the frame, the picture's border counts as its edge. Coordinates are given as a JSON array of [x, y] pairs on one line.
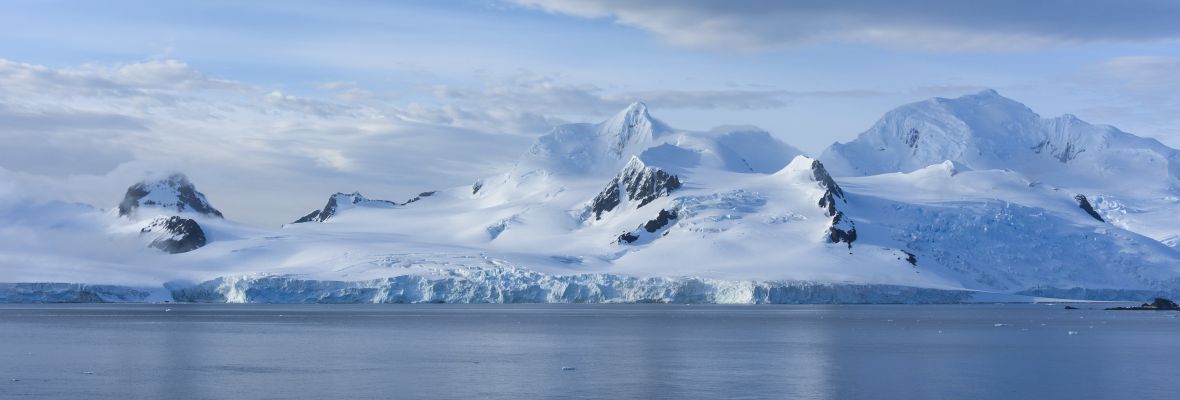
[[988, 131], [173, 193], [971, 207], [342, 201], [1131, 181], [636, 183], [163, 202]]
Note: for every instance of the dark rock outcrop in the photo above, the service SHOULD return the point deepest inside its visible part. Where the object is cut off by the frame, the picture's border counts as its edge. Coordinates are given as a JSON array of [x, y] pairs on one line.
[[354, 198], [313, 216], [911, 258], [1085, 205], [628, 237], [911, 138], [1064, 155], [1159, 304], [1068, 153], [637, 182], [175, 234], [832, 191], [661, 221], [174, 193], [420, 196], [841, 229]]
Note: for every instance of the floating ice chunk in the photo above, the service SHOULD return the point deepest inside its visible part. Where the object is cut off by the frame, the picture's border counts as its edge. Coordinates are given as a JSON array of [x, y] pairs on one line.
[[999, 325], [1071, 333], [87, 372]]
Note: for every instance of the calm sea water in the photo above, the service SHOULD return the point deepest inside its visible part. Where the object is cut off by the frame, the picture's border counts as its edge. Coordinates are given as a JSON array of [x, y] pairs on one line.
[[615, 352]]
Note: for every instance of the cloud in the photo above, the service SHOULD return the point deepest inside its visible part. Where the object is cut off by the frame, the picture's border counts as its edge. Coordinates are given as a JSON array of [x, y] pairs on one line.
[[1134, 93], [532, 103], [1144, 73], [130, 79], [264, 156], [912, 24]]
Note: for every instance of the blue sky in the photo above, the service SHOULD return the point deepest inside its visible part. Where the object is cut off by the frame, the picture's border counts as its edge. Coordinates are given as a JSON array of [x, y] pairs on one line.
[[335, 94]]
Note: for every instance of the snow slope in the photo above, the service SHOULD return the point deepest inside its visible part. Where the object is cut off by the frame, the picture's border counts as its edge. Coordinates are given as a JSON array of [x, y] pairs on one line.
[[633, 210]]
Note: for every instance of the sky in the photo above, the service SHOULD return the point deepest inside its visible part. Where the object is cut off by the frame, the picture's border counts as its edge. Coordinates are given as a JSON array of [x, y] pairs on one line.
[[271, 106]]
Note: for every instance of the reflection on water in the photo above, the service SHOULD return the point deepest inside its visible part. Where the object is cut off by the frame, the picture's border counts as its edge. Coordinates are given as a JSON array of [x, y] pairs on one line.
[[616, 351]]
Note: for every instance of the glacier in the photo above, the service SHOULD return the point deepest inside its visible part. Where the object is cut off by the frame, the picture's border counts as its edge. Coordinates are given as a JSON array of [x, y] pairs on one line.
[[514, 285]]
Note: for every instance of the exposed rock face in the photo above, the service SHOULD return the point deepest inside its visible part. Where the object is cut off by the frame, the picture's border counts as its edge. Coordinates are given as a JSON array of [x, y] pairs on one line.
[[637, 182], [1085, 205], [1064, 154], [832, 190], [911, 258], [842, 229], [174, 193], [661, 221], [354, 199], [420, 196], [314, 215], [911, 138], [628, 237], [175, 234]]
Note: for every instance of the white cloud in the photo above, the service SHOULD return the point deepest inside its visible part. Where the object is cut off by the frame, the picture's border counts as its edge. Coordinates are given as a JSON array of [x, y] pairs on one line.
[[527, 103], [262, 155], [1144, 73], [939, 25], [265, 155]]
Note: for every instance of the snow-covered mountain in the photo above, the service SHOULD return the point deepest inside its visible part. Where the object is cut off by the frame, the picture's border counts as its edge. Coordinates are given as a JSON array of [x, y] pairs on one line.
[[168, 210], [1131, 181], [949, 200], [173, 193]]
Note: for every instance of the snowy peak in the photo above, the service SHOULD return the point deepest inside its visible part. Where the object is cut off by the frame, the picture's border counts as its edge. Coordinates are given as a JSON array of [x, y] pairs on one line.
[[632, 128], [981, 130], [988, 131], [173, 193], [342, 201], [636, 183], [576, 149]]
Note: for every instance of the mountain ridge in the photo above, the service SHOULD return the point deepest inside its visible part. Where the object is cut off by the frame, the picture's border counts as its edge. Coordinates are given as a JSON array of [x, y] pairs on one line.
[[598, 208]]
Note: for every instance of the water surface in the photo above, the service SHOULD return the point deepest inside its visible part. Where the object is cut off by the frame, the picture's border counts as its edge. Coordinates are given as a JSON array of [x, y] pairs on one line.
[[182, 351]]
